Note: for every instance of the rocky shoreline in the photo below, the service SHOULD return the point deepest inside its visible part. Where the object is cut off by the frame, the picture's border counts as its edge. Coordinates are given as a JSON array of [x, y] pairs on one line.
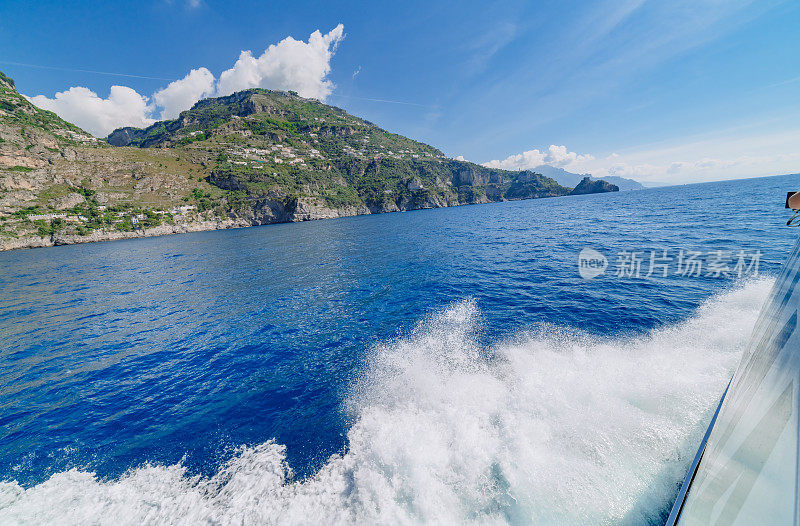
[[114, 235], [304, 212]]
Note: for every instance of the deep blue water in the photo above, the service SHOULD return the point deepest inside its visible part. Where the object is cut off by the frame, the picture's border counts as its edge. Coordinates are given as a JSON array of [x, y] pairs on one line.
[[182, 348]]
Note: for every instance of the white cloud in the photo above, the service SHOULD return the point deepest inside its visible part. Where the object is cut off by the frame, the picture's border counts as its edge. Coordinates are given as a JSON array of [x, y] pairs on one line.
[[557, 156], [714, 158], [560, 156], [288, 65], [181, 94], [81, 106]]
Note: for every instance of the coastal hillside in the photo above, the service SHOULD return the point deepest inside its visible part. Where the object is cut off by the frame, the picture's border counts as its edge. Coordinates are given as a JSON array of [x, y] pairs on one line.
[[59, 185], [294, 158], [254, 157]]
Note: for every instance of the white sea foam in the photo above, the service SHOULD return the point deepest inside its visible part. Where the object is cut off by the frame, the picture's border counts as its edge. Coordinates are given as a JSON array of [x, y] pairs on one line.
[[555, 427]]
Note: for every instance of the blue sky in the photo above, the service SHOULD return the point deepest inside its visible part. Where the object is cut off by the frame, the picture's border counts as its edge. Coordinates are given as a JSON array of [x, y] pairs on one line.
[[661, 91]]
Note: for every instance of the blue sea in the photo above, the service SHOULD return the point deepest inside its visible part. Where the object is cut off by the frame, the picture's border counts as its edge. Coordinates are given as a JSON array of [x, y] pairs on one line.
[[445, 366]]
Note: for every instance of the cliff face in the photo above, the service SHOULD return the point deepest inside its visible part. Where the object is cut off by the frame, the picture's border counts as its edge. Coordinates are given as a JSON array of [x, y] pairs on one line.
[[58, 184], [251, 158], [589, 186], [261, 144]]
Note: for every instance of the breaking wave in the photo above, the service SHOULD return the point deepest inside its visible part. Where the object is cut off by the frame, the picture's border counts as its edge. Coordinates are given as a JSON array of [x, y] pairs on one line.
[[552, 427]]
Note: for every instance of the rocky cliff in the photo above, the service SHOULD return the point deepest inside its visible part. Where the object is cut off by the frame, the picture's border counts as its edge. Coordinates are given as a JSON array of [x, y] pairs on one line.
[[591, 186], [251, 158], [299, 154]]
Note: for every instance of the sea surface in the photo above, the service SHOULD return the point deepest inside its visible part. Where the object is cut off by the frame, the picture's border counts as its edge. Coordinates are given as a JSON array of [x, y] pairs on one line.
[[445, 366]]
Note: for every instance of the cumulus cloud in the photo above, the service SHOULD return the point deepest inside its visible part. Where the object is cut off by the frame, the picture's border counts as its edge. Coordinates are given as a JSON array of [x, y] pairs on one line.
[[181, 94], [288, 65], [79, 105], [558, 156], [616, 165], [716, 158]]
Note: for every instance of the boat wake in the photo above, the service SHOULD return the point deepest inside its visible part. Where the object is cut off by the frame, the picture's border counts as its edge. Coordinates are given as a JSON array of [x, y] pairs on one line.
[[553, 427]]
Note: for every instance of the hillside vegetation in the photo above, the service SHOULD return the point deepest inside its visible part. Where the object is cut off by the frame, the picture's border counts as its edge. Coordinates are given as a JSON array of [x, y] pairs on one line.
[[254, 157], [270, 144]]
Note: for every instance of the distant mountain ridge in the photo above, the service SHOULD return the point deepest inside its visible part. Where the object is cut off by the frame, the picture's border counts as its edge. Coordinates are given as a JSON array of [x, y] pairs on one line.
[[566, 178]]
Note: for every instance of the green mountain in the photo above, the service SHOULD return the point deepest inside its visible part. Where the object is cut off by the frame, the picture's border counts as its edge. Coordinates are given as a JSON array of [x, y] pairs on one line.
[[251, 158], [273, 144], [19, 113]]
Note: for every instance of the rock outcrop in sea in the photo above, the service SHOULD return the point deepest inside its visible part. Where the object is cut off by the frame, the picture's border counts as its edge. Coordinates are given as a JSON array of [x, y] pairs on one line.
[[593, 186]]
